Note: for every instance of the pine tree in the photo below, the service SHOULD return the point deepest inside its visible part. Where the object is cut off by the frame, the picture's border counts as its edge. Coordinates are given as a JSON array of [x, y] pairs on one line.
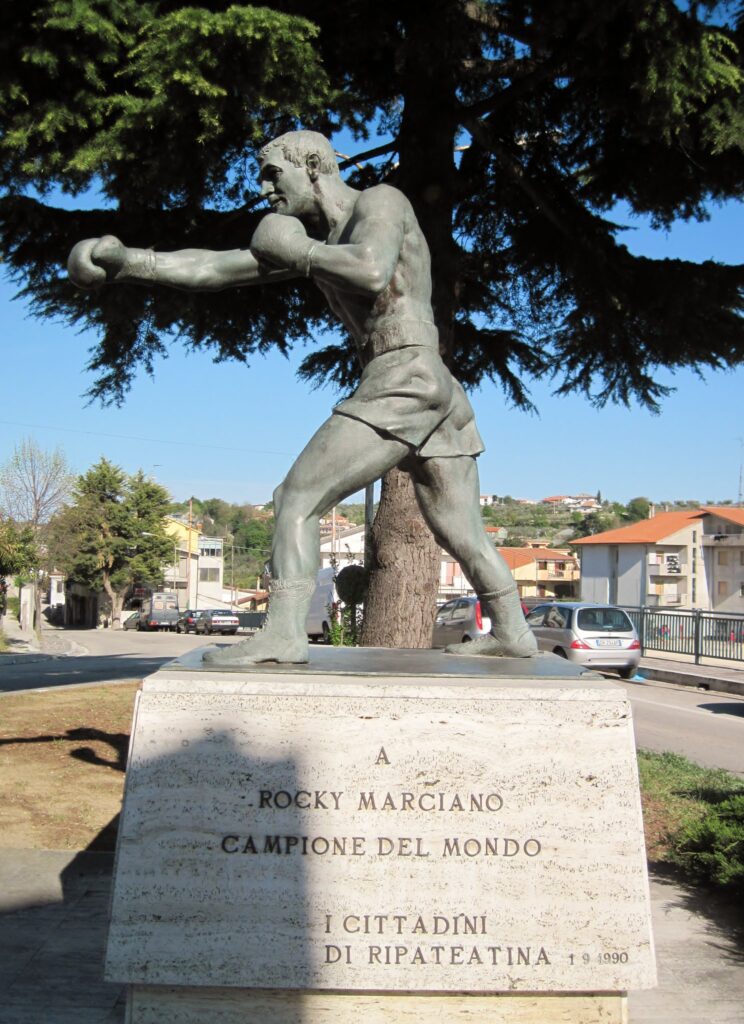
[[515, 128], [113, 536]]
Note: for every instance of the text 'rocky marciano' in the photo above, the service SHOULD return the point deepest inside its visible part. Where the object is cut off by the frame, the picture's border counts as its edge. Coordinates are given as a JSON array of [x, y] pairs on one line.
[[427, 801]]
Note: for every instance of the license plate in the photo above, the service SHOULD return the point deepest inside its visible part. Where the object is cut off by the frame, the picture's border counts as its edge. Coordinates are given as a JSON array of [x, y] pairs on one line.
[[608, 642]]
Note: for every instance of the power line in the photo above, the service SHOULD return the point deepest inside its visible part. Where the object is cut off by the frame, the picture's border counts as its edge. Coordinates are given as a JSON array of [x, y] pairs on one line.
[[149, 440]]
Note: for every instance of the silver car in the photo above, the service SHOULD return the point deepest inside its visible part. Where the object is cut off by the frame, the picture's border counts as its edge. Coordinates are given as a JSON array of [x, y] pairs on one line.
[[458, 622], [592, 635]]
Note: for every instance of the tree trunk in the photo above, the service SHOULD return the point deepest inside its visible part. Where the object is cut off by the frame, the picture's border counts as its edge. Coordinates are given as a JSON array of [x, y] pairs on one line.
[[400, 603], [116, 600], [404, 574]]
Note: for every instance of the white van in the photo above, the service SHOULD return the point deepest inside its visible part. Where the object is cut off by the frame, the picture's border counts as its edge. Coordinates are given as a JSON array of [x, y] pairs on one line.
[[323, 601]]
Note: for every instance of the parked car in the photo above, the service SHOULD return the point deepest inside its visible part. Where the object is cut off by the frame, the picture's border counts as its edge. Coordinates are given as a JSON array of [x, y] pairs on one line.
[[216, 620], [458, 622], [592, 635], [131, 621], [461, 620], [187, 621], [159, 611]]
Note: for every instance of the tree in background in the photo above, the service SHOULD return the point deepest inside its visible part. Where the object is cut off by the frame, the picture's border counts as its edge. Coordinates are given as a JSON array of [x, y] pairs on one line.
[[246, 531], [113, 537], [637, 509], [514, 128], [18, 551], [34, 485]]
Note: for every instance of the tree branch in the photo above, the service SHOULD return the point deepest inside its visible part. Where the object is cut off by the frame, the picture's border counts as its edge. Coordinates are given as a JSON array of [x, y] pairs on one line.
[[351, 161]]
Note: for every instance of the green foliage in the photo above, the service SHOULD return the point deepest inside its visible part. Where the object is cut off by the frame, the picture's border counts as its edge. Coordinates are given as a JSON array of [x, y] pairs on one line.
[[354, 512], [113, 535], [703, 811], [712, 849], [637, 508], [19, 553], [247, 533], [345, 625], [567, 108], [104, 90]]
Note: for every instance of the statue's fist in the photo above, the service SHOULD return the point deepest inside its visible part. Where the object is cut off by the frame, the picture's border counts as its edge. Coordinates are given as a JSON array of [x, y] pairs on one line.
[[281, 241], [95, 261]]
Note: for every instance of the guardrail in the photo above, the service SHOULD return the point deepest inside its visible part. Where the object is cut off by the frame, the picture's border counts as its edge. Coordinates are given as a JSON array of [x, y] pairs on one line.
[[696, 633]]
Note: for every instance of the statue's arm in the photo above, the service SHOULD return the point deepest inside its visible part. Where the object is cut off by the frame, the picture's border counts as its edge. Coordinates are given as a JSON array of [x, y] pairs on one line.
[[367, 262], [98, 261]]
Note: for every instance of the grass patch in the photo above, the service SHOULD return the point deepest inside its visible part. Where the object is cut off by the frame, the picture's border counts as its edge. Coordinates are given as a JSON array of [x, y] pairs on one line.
[[694, 819], [3, 642], [62, 760]]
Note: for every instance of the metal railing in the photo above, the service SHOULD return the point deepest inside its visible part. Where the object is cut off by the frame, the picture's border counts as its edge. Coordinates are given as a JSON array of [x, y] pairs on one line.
[[696, 633]]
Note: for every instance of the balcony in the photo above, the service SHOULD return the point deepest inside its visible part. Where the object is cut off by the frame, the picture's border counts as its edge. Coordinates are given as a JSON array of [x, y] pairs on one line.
[[557, 574], [718, 540]]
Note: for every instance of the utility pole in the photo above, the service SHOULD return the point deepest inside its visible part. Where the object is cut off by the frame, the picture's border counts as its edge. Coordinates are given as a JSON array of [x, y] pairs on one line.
[[188, 556], [369, 515]]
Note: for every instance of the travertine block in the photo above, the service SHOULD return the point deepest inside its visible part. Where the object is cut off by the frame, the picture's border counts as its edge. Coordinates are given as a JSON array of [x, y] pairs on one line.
[[385, 835], [235, 1006]]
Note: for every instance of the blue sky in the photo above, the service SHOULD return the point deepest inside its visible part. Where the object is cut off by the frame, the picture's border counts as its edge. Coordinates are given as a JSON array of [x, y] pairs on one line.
[[224, 430]]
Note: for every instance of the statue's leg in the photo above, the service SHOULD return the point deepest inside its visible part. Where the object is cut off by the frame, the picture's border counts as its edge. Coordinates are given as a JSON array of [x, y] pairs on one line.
[[342, 457], [448, 493]]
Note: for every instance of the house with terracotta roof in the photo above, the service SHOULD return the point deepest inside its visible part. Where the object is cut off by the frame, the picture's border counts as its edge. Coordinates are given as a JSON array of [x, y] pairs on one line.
[[538, 572], [688, 559]]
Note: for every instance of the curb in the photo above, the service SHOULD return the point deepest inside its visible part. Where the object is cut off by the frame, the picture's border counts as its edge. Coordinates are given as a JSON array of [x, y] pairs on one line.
[[714, 684]]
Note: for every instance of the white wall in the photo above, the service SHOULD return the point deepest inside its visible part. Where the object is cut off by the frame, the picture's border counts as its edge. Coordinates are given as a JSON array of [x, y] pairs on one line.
[[630, 575], [595, 573]]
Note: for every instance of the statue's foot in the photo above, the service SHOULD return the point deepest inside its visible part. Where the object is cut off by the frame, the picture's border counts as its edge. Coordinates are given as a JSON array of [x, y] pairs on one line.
[[262, 647], [493, 646]]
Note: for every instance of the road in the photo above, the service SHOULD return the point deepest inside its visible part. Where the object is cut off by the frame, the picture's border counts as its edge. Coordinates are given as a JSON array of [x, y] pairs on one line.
[[707, 728]]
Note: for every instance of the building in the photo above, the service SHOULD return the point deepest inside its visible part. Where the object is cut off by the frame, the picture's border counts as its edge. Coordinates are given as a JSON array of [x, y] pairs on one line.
[[539, 572], [182, 574], [687, 559]]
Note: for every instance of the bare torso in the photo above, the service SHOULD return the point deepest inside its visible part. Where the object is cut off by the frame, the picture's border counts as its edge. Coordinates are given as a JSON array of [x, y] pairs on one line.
[[406, 299]]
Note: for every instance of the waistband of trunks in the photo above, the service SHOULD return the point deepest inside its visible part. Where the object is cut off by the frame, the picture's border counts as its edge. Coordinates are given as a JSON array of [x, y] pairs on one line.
[[401, 334]]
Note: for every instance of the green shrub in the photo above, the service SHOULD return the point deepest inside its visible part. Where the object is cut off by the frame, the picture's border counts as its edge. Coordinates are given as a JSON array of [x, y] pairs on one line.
[[14, 607], [712, 849]]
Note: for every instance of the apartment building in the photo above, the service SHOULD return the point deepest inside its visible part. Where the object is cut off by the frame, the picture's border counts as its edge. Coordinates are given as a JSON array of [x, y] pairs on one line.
[[688, 559]]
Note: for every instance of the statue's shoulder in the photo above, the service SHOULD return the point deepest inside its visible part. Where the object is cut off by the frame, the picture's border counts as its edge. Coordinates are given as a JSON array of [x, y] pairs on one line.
[[382, 200]]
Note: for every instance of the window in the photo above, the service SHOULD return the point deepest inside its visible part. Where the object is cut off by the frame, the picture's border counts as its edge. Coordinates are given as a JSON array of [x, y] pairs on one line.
[[723, 557], [612, 619], [556, 618], [446, 610], [210, 552], [723, 588], [209, 575], [537, 615], [741, 557], [741, 590]]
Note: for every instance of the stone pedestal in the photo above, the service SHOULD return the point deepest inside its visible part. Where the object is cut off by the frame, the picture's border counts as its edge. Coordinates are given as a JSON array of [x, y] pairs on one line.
[[381, 836]]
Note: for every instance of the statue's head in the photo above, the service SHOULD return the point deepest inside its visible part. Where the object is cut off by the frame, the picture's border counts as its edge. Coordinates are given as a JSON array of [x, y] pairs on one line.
[[303, 149]]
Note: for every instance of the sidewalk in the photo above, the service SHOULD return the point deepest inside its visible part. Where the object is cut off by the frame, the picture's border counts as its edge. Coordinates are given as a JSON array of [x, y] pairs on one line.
[[724, 677], [24, 644], [53, 919]]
